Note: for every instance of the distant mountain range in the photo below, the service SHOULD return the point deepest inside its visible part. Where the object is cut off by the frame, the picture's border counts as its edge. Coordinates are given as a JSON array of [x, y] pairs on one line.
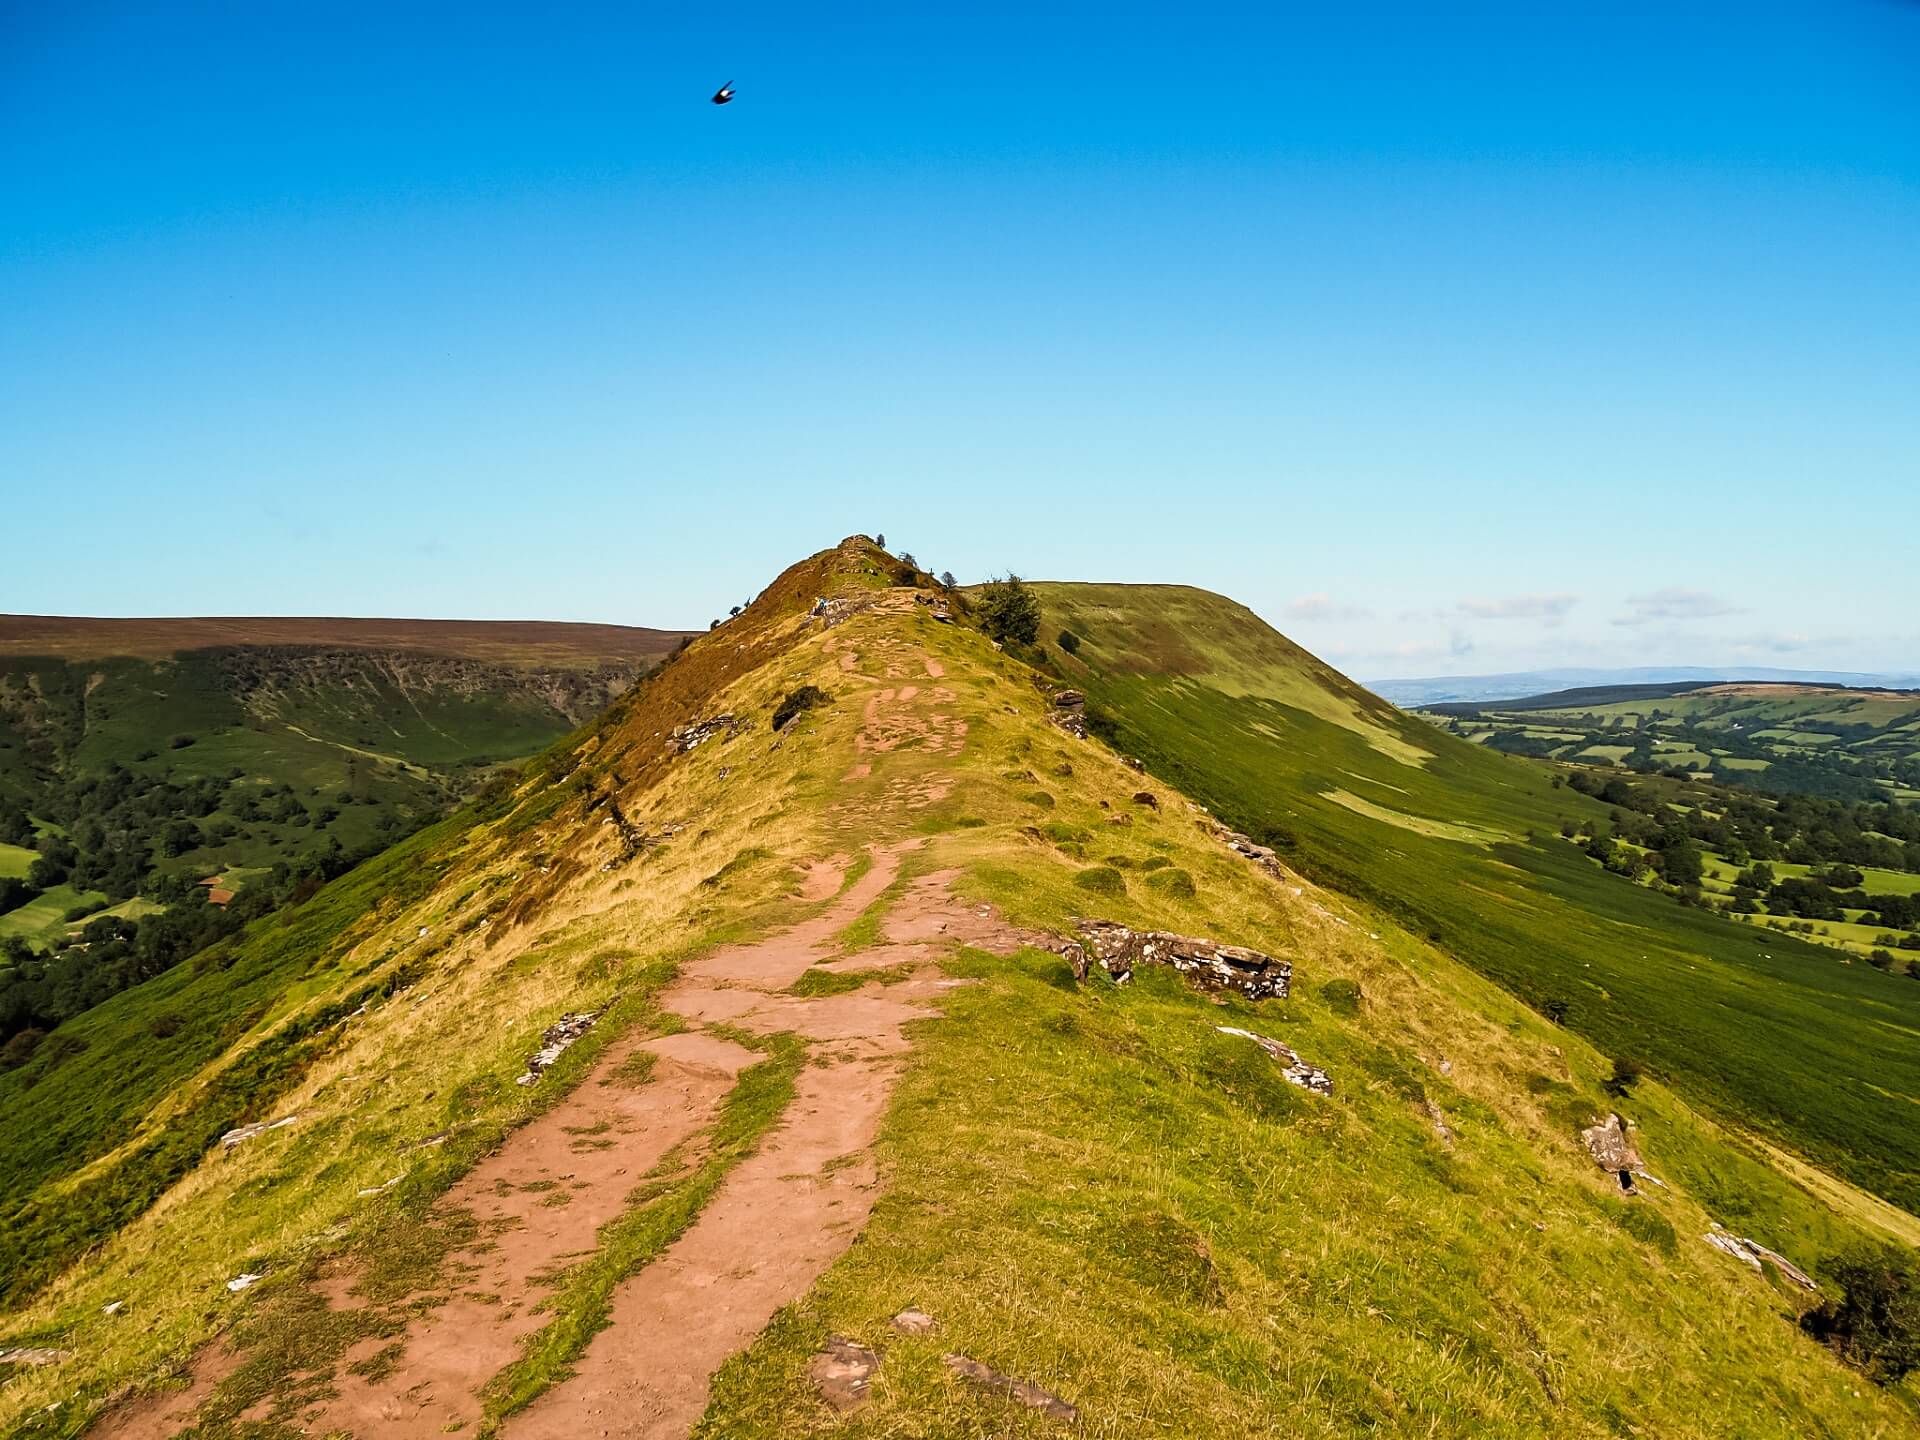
[[1437, 689]]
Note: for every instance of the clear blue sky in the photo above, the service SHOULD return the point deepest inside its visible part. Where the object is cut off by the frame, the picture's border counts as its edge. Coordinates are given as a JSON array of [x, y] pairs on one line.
[[1449, 338]]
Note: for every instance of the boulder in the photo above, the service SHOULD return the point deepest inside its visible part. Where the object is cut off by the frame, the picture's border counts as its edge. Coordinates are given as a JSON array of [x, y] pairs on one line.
[[1607, 1142], [1146, 798], [1119, 949]]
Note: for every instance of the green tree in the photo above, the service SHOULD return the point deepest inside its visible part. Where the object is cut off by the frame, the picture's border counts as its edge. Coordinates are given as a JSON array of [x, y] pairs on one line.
[[1009, 612]]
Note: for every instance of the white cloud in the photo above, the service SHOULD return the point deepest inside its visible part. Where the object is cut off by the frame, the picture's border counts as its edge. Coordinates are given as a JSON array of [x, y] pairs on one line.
[[1549, 608], [1674, 602], [1322, 606]]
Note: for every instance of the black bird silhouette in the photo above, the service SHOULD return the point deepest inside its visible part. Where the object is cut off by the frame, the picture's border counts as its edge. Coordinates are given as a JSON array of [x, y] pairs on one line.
[[723, 94]]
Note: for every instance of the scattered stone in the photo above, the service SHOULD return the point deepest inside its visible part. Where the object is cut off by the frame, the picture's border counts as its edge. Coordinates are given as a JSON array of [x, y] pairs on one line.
[[1607, 1143], [1752, 1252], [1117, 949], [1242, 845], [244, 1282], [843, 1372], [982, 1377], [686, 737], [1439, 1119], [1070, 712], [1295, 1070], [1133, 764], [114, 1308], [260, 1127], [32, 1355], [915, 1322], [382, 1189], [554, 1042], [1146, 798]]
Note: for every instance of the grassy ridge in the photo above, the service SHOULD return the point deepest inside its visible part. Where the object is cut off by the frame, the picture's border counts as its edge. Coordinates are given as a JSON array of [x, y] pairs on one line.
[[1766, 1030], [1090, 1187]]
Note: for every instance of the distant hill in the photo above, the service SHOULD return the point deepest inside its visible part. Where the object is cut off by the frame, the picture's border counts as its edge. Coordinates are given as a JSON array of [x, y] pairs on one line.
[[1843, 742], [1438, 689], [505, 642]]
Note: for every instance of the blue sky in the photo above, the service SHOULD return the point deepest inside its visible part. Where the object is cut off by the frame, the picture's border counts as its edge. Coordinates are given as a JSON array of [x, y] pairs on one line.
[[1514, 335]]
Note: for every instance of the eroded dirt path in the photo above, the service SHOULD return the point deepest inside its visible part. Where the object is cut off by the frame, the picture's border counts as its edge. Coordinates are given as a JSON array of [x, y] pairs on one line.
[[780, 1218]]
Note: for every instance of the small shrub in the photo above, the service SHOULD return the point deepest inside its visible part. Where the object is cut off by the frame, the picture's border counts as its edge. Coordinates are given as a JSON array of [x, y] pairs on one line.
[[1172, 882], [1101, 880], [1069, 642], [1342, 996], [1875, 1324], [1626, 1074], [180, 742], [807, 697]]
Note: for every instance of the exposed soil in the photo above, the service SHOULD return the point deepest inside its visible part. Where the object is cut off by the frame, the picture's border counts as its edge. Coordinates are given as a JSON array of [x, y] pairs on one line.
[[787, 1212]]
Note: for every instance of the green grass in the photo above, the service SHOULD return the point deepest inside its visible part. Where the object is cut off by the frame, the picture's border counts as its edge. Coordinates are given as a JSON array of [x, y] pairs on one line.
[[15, 861], [1181, 1244], [1763, 1029]]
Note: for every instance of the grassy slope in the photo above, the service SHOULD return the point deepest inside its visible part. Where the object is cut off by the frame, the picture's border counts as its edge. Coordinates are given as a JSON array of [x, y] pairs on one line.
[[1091, 1187], [1764, 1029]]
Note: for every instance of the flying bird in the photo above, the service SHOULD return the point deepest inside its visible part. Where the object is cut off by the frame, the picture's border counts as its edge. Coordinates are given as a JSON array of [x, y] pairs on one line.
[[723, 94]]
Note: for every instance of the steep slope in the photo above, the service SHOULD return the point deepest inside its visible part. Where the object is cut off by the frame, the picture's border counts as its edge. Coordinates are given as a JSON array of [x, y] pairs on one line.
[[1464, 846], [797, 970]]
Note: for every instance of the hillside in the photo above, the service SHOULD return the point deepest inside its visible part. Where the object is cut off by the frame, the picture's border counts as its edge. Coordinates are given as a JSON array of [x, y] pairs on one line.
[[142, 791], [580, 1101], [1465, 845]]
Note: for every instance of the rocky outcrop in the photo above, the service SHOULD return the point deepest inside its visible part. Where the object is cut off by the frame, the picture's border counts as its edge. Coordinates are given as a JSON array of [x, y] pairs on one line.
[[245, 1133], [32, 1355], [686, 737], [983, 1377], [1069, 712], [1119, 949], [1752, 1252], [1293, 1069], [1611, 1149], [553, 1044]]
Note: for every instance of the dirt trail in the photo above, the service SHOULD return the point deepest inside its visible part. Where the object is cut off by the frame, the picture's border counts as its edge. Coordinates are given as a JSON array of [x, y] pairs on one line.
[[790, 1210]]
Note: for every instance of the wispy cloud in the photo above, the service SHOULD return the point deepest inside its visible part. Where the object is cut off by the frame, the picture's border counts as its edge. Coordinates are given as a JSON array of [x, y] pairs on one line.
[[1674, 602], [1552, 609], [1322, 606]]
